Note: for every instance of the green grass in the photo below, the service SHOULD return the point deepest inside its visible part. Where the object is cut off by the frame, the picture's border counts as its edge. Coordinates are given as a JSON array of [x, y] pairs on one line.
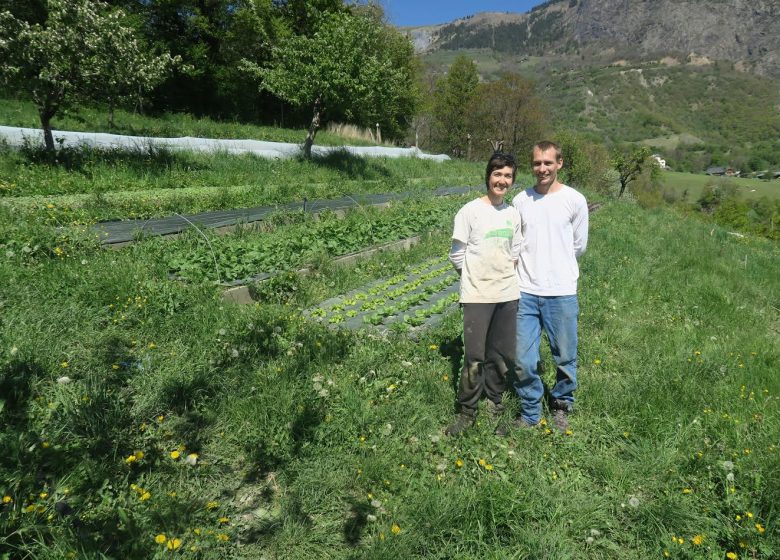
[[87, 185], [93, 119], [314, 443], [696, 183]]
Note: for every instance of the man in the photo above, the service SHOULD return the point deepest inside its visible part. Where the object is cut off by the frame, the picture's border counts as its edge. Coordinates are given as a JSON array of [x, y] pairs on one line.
[[485, 245], [555, 234]]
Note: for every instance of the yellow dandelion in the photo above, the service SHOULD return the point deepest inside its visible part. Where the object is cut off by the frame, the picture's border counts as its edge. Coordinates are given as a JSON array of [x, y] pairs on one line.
[[680, 540], [138, 455], [738, 517], [160, 418], [152, 345], [433, 347], [568, 432], [175, 454], [43, 495], [445, 377], [395, 528], [64, 364], [459, 463], [29, 509], [488, 467], [173, 544], [482, 462], [223, 537], [686, 490], [543, 422], [131, 459], [732, 555], [597, 361], [224, 520], [742, 544], [666, 554], [196, 530], [760, 528], [212, 505], [697, 539], [145, 496], [749, 514], [160, 539], [7, 499]]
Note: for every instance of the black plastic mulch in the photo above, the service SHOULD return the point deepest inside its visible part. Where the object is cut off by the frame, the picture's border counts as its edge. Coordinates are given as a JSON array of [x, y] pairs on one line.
[[125, 231]]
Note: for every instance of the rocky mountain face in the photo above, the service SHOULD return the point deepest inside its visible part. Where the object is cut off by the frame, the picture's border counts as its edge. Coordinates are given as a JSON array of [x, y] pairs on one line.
[[744, 32]]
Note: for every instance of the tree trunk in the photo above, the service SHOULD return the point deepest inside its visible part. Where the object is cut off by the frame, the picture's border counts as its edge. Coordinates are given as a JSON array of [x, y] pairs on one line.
[[623, 185], [110, 113], [313, 127], [48, 138]]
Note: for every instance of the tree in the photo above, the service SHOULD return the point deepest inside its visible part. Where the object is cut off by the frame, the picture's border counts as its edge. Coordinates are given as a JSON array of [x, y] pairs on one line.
[[630, 165], [352, 68], [507, 110], [453, 94], [585, 162], [79, 54]]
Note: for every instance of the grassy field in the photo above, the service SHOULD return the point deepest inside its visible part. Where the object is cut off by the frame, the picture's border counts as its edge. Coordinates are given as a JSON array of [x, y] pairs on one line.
[[695, 184], [90, 119], [150, 407], [144, 417]]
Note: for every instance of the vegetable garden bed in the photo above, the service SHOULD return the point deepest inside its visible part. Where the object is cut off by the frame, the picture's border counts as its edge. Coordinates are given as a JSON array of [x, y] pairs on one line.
[[415, 300]]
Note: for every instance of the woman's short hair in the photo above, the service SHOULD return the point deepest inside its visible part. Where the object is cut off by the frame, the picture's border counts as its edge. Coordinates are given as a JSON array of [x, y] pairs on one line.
[[497, 161]]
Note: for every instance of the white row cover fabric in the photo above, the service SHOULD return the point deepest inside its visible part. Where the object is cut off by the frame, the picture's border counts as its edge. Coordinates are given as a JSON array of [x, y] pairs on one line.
[[17, 137]]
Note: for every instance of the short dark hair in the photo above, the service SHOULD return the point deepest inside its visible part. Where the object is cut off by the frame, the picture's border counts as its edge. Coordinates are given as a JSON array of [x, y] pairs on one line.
[[497, 161], [545, 145]]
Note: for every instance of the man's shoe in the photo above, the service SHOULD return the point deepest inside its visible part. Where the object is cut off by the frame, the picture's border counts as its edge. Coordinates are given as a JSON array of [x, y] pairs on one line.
[[517, 424], [462, 421], [560, 414], [560, 419]]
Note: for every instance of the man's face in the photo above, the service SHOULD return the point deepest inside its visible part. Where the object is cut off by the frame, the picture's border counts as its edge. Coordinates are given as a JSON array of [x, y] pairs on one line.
[[545, 167], [500, 181]]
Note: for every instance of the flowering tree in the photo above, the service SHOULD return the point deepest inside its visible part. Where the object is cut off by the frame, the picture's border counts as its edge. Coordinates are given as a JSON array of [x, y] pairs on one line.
[[82, 52], [630, 165], [351, 67]]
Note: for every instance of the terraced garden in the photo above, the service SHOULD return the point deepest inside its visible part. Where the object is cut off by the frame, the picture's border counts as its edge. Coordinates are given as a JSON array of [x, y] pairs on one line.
[[143, 416]]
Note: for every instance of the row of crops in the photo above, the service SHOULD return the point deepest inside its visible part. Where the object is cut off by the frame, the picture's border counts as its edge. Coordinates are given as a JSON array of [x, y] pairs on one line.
[[292, 241], [416, 299]]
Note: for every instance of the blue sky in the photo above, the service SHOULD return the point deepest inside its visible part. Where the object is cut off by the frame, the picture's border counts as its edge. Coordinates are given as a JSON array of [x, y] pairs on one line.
[[423, 12]]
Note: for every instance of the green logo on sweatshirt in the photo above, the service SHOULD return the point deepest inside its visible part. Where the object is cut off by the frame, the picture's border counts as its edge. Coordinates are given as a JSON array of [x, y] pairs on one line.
[[506, 233]]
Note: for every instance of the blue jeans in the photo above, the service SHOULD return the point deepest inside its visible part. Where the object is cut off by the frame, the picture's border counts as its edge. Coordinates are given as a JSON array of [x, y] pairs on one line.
[[557, 315]]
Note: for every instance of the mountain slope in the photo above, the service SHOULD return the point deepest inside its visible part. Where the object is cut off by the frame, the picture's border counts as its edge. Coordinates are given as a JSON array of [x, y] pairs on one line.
[[740, 31]]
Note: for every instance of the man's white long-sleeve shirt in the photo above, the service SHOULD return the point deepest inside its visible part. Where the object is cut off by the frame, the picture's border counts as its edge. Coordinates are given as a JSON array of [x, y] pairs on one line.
[[555, 234]]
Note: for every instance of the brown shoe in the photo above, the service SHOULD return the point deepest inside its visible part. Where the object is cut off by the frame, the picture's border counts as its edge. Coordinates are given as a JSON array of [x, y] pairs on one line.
[[560, 419], [495, 410], [462, 421], [503, 429]]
